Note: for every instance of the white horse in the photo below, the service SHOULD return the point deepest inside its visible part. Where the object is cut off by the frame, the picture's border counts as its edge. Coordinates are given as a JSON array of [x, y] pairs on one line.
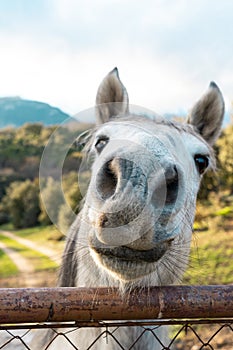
[[135, 227]]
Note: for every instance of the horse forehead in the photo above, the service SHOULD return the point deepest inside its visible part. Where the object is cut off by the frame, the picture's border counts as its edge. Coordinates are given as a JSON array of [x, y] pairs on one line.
[[149, 134], [158, 142]]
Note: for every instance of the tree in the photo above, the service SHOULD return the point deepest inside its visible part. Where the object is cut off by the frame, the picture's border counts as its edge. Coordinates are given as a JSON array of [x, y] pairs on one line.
[[73, 197], [22, 203], [222, 179], [71, 190], [4, 215], [225, 144], [50, 201]]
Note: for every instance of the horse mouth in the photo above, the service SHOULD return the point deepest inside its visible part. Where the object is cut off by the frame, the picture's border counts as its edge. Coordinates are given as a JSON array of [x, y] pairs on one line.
[[126, 254]]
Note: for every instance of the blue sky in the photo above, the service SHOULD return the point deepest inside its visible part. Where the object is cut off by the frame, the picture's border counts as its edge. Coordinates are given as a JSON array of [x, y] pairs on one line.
[[167, 51]]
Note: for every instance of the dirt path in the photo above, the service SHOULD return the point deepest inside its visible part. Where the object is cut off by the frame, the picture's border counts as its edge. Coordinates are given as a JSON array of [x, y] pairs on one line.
[[22, 264], [28, 277], [54, 256], [18, 259]]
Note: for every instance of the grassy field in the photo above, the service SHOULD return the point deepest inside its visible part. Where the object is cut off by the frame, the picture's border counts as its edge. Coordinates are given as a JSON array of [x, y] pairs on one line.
[[211, 259], [44, 269], [39, 261], [7, 267], [48, 235]]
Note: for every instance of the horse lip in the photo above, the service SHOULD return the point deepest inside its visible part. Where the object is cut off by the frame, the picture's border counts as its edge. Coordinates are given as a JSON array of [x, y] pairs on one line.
[[124, 253]]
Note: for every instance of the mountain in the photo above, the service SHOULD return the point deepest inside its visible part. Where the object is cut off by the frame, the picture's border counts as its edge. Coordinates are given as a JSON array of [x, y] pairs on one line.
[[15, 111]]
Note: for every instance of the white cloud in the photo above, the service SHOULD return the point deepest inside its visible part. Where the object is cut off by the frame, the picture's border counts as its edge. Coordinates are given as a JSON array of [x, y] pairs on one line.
[[167, 52], [70, 79], [84, 10]]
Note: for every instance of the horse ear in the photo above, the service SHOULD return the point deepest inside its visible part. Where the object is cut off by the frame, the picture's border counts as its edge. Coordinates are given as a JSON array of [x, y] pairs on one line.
[[112, 98], [207, 114]]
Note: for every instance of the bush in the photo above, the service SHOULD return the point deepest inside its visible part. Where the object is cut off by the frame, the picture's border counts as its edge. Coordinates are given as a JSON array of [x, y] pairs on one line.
[[4, 216], [50, 201], [59, 199], [22, 203]]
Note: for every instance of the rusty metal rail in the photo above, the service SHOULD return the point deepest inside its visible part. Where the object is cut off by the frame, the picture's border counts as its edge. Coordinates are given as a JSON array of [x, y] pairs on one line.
[[36, 305]]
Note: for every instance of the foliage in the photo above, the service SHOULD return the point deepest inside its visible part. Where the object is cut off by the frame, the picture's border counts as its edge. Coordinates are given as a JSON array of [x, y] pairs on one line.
[[225, 157], [50, 201], [70, 185], [222, 178], [60, 201], [20, 153], [22, 203], [4, 215], [6, 180], [21, 149], [73, 197]]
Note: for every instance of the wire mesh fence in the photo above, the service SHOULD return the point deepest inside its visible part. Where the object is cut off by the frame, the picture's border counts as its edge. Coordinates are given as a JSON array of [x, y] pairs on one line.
[[185, 335], [61, 318]]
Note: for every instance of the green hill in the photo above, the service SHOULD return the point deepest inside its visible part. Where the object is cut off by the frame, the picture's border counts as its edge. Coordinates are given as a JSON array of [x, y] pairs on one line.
[[15, 111]]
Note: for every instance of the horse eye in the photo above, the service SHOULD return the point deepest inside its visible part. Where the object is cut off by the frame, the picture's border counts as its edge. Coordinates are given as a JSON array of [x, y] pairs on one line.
[[202, 162], [101, 143]]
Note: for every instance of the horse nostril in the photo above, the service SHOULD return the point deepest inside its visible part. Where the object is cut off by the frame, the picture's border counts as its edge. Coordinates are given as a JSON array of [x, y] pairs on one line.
[[172, 183], [106, 181]]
